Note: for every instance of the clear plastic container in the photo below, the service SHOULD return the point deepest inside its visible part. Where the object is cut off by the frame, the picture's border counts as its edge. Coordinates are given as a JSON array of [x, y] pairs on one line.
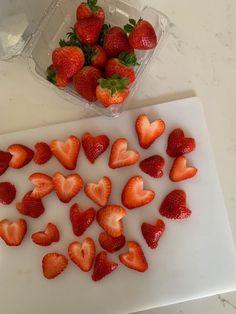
[[39, 36]]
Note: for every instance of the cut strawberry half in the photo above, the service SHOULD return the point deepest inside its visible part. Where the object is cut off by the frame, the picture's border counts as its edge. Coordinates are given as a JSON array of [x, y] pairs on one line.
[[135, 258], [21, 155], [148, 132], [103, 266], [7, 193], [30, 206], [110, 219], [81, 220], [153, 166], [53, 264], [174, 206], [66, 152], [120, 156], [14, 232], [134, 195], [111, 244], [48, 236], [42, 153], [180, 171], [82, 254], [94, 146], [178, 144], [43, 184], [153, 233], [67, 187], [99, 193], [5, 158]]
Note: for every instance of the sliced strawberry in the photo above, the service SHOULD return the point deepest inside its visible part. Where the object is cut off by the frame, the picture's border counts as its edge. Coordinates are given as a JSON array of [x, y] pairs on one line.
[[135, 258], [109, 218], [111, 244], [30, 206], [94, 146], [53, 264], [174, 206], [153, 166], [13, 233], [42, 153], [178, 144], [180, 171], [21, 155], [120, 156], [5, 158], [48, 236], [152, 233], [134, 195], [7, 193], [81, 220], [148, 132], [66, 152], [103, 266], [67, 187], [100, 192], [82, 254], [43, 184]]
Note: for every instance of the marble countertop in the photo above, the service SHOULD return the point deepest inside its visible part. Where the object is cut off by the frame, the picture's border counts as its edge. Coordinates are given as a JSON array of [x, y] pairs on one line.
[[198, 58]]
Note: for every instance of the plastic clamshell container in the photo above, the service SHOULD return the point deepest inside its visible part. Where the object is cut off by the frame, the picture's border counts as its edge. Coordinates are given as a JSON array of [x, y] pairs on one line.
[[56, 22]]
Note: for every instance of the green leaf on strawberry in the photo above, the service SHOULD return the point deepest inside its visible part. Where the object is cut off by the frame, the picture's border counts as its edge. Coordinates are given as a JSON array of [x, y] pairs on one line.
[[72, 40], [114, 83], [128, 59]]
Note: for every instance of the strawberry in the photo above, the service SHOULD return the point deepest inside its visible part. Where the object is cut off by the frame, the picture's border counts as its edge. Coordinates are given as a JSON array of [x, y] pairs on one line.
[[152, 233], [53, 264], [141, 34], [174, 205], [66, 152], [89, 9], [109, 218], [135, 258], [67, 187], [120, 156], [111, 244], [122, 66], [180, 171], [178, 144], [21, 155], [148, 132], [134, 195], [81, 220], [43, 184], [85, 82], [112, 91], [82, 254], [153, 166], [46, 237], [88, 30], [13, 233], [30, 206], [55, 78], [7, 193], [94, 146], [103, 266], [42, 153], [5, 158], [67, 61], [99, 57], [116, 41], [99, 193]]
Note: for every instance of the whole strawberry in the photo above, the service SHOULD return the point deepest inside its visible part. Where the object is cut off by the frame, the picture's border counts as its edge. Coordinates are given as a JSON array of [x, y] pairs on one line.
[[141, 34], [56, 79], [116, 41], [122, 66], [88, 30], [85, 82], [86, 10]]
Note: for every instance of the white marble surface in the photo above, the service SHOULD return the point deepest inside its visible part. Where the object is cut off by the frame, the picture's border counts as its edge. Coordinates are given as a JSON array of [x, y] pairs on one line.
[[199, 57]]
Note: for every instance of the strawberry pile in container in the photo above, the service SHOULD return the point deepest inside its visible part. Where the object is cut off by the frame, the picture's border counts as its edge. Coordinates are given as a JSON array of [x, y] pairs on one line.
[[100, 60]]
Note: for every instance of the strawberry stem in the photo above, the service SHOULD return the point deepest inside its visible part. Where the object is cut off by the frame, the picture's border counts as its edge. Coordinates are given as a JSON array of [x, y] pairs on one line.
[[103, 33], [130, 26], [51, 74], [128, 59], [114, 83], [93, 5], [72, 40]]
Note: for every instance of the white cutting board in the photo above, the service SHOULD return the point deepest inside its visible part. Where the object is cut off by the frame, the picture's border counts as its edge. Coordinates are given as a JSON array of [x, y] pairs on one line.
[[195, 257]]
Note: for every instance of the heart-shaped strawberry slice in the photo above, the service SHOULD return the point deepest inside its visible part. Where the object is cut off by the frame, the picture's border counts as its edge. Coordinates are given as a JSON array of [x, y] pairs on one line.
[[94, 146], [5, 158], [21, 155], [111, 244], [13, 233], [152, 233], [48, 236], [30, 206], [148, 132], [99, 193], [53, 264], [135, 258], [153, 166], [180, 171], [81, 220], [174, 206], [178, 144], [43, 184], [103, 266]]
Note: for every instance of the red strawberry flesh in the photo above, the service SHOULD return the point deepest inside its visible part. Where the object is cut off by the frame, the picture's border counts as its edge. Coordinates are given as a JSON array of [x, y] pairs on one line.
[[7, 193]]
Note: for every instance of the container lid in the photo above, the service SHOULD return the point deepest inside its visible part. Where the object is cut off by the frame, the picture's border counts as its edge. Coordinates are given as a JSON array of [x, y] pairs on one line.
[[19, 19]]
